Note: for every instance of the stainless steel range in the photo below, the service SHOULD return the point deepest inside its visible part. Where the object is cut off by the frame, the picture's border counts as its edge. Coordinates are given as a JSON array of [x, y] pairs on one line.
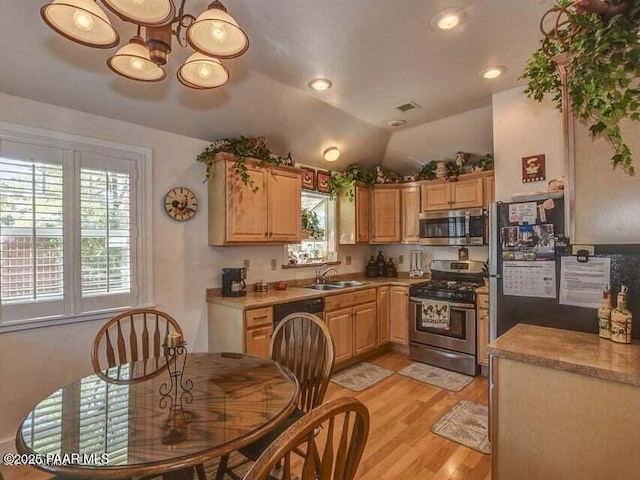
[[442, 316]]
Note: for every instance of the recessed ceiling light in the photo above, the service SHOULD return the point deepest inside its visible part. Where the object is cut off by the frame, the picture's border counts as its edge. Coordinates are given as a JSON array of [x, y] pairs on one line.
[[492, 72], [397, 123], [448, 19], [332, 154], [320, 84]]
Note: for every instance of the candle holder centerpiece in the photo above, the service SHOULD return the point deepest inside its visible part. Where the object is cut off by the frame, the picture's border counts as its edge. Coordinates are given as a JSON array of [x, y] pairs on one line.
[[176, 392]]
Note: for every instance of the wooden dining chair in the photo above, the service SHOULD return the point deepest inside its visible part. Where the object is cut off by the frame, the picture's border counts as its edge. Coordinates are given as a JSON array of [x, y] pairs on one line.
[[337, 450], [302, 343]]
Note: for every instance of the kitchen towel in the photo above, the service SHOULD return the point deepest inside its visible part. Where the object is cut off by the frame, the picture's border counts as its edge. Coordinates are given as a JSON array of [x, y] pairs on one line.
[[435, 314]]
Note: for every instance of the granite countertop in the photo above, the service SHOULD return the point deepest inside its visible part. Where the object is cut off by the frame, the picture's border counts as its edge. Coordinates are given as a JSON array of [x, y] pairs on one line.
[[582, 353], [294, 293]]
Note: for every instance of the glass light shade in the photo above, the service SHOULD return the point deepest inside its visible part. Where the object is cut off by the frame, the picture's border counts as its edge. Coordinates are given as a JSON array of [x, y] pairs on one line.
[[81, 21], [217, 34], [133, 62], [142, 12], [202, 72], [332, 154]]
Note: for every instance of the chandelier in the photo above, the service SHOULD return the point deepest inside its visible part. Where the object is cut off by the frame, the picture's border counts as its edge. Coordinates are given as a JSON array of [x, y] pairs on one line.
[[214, 35]]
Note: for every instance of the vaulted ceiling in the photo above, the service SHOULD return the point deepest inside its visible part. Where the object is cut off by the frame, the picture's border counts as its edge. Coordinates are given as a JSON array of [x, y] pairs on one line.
[[378, 54]]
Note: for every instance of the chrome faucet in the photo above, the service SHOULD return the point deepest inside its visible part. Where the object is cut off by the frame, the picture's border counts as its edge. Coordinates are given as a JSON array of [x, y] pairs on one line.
[[321, 273]]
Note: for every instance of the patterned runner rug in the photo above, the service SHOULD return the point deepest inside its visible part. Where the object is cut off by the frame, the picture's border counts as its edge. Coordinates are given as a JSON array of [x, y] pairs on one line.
[[466, 423], [361, 376], [439, 377]]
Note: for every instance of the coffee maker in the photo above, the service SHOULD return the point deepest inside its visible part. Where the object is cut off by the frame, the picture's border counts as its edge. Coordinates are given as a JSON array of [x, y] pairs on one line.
[[233, 282]]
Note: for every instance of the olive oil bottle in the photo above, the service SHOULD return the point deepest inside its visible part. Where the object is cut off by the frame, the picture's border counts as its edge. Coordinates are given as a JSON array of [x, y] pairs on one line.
[[604, 314], [621, 319]]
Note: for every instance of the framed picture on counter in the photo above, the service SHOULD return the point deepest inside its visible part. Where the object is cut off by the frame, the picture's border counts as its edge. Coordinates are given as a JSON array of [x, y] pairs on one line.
[[308, 178]]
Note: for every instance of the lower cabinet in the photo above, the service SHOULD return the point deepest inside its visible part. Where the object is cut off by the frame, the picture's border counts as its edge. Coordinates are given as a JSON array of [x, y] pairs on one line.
[[399, 314], [352, 321], [364, 328], [383, 316], [482, 322], [340, 325], [258, 328]]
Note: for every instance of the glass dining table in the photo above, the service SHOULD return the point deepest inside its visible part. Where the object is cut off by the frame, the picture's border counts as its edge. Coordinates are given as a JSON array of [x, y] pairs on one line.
[[104, 426]]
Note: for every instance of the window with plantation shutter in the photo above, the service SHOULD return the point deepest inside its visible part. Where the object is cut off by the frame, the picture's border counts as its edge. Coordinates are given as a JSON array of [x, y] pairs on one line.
[[69, 242]]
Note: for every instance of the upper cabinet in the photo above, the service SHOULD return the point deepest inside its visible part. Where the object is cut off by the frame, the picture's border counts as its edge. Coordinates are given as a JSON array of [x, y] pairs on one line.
[[465, 193], [240, 215], [385, 214], [353, 216], [410, 208]]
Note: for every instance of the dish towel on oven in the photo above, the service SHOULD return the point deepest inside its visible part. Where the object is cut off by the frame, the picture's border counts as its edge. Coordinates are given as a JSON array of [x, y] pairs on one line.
[[435, 314]]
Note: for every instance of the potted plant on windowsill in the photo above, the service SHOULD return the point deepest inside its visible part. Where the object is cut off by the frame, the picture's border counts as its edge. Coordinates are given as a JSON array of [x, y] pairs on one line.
[[311, 225]]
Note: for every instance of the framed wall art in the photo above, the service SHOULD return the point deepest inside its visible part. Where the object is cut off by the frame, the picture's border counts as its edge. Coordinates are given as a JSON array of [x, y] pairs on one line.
[[533, 168], [322, 180], [308, 178]]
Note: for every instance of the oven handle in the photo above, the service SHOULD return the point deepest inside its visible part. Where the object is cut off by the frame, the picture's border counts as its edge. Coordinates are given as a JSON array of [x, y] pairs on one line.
[[463, 306]]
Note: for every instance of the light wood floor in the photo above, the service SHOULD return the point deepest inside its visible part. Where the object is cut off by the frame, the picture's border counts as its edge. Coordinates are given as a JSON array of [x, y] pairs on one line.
[[400, 445]]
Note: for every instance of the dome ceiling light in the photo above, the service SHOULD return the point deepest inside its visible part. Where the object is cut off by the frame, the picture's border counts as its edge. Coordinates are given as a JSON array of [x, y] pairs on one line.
[[320, 84], [492, 72], [448, 19], [331, 154], [214, 35]]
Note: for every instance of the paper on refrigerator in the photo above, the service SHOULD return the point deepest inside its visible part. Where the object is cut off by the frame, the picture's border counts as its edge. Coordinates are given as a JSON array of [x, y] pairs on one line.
[[529, 279], [581, 284]]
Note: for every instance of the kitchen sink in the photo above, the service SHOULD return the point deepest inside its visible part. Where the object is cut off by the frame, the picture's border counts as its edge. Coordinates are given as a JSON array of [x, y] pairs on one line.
[[349, 283], [335, 285], [324, 286]]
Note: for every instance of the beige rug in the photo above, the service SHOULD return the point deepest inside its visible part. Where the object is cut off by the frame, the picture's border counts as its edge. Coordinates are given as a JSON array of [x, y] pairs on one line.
[[466, 423], [361, 376], [439, 377]]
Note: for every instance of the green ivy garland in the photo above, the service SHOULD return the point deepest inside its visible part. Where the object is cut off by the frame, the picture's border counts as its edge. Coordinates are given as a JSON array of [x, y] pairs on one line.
[[344, 181], [243, 148], [603, 72]]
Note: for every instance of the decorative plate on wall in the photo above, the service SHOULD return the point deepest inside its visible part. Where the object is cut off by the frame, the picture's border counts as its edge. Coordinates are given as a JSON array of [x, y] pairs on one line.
[[181, 204]]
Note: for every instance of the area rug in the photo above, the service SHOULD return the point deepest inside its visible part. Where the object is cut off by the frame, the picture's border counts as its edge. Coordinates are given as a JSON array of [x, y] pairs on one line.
[[361, 376], [467, 424], [439, 377]]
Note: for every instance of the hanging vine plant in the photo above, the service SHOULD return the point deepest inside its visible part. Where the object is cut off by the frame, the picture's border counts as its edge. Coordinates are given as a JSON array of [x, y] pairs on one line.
[[243, 148], [602, 39], [344, 181]]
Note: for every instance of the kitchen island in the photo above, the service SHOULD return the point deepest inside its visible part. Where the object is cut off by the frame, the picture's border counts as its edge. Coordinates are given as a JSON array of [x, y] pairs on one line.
[[564, 406]]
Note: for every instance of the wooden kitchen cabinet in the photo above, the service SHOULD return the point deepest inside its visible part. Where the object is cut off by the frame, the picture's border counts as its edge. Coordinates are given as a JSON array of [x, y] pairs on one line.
[[482, 328], [383, 316], [353, 216], [385, 214], [352, 321], [258, 328], [340, 323], [399, 314], [364, 328], [240, 215], [464, 193], [410, 209]]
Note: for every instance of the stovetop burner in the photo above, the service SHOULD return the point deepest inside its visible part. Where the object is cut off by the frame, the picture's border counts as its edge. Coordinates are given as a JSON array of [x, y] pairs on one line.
[[451, 285], [450, 281]]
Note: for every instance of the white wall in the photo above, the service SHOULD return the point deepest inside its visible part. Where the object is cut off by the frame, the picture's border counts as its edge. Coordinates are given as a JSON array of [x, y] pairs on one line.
[[607, 200], [480, 254], [469, 132], [34, 362], [523, 127]]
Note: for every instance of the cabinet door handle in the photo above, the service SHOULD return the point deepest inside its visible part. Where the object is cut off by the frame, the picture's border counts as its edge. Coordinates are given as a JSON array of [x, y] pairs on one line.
[[266, 234], [270, 234]]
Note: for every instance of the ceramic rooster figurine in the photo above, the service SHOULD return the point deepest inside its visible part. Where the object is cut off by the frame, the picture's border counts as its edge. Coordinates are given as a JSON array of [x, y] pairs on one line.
[[607, 8]]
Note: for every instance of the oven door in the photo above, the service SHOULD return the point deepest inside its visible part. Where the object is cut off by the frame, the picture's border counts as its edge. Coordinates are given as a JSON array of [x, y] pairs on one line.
[[457, 227], [459, 337]]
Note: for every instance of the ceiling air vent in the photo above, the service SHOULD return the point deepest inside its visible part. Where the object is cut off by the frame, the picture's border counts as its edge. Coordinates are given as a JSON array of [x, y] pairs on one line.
[[405, 107]]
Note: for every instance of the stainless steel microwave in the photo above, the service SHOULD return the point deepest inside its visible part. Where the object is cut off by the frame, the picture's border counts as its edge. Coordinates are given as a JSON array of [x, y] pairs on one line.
[[456, 227]]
